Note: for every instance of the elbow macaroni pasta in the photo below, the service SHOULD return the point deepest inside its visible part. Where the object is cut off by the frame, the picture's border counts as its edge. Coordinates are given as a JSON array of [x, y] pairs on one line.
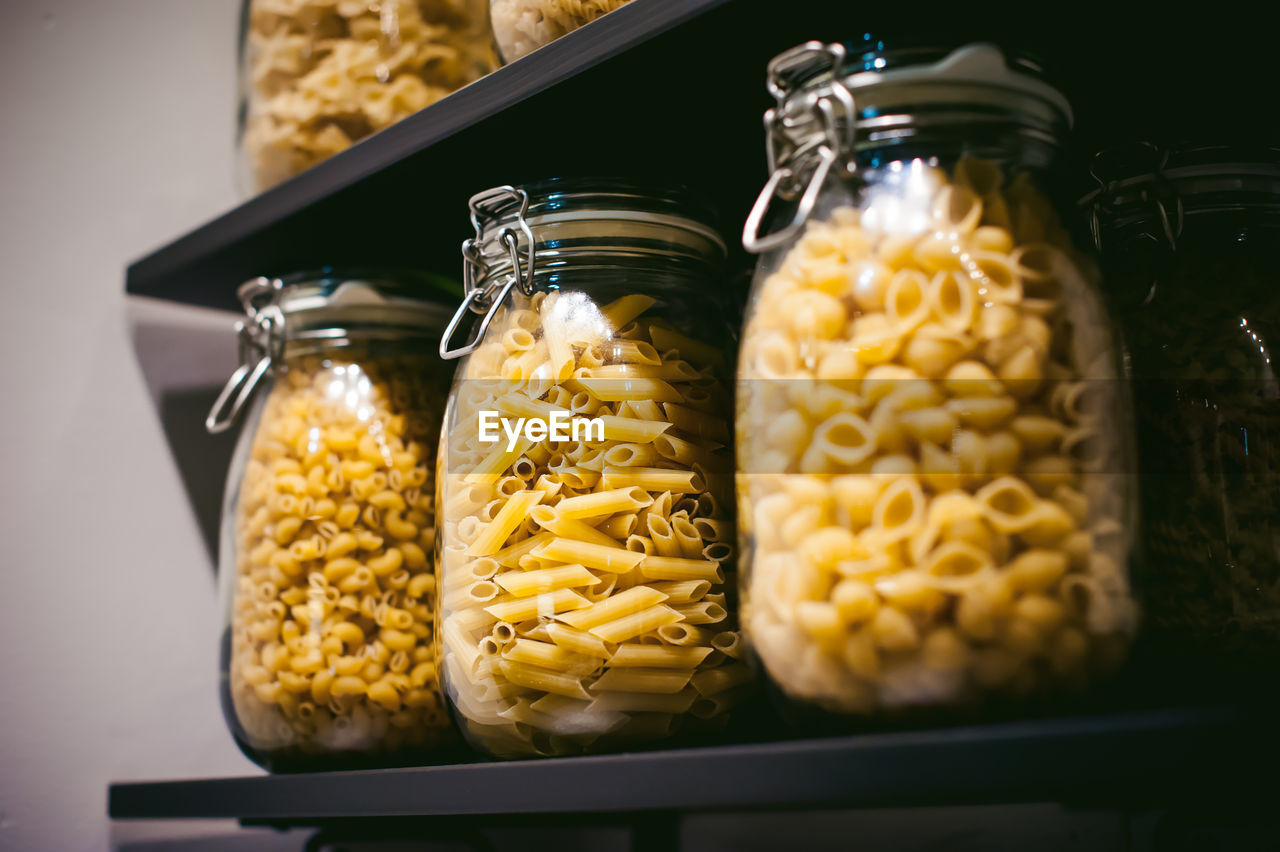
[[586, 634], [332, 633], [322, 74], [930, 484]]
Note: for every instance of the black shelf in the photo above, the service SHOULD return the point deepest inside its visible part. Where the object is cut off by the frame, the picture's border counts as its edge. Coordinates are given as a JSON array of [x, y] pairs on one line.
[[1121, 758], [377, 193], [674, 89]]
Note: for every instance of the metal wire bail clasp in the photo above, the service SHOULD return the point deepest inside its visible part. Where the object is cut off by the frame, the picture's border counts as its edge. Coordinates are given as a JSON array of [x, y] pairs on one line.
[[485, 295], [260, 340], [1161, 194], [799, 169]]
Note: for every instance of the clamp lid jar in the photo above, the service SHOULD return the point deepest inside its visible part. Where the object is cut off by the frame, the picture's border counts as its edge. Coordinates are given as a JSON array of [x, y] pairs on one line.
[[328, 535], [1190, 239], [931, 436], [586, 537]]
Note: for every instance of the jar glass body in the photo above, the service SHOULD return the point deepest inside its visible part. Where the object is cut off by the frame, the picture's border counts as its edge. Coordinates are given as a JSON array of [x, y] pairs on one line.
[[317, 77], [327, 562], [584, 602], [1202, 323], [934, 508], [522, 26]]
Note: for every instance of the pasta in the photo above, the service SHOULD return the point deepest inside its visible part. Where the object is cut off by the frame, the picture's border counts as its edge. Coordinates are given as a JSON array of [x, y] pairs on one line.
[[331, 646], [926, 528], [322, 74], [1205, 395], [522, 26], [601, 644]]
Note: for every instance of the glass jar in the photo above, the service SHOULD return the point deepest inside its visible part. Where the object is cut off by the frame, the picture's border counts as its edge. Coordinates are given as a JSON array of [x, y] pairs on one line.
[[585, 526], [328, 530], [522, 26], [318, 75], [1190, 239], [933, 502]]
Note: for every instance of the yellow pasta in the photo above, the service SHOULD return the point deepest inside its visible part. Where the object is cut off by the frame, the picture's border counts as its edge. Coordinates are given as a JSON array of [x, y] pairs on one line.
[[624, 310], [522, 26], [911, 414], [322, 75], [612, 557], [652, 479], [544, 680], [602, 503], [614, 390], [635, 624], [624, 603], [679, 568], [667, 681], [335, 589], [551, 656], [591, 652], [522, 584], [546, 604], [658, 656], [577, 641]]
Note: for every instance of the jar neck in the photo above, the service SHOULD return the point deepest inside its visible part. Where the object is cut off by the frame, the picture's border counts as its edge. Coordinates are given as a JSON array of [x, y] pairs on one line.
[[1013, 147], [578, 230]]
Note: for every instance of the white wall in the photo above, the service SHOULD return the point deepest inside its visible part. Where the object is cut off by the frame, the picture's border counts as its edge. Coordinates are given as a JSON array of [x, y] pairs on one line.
[[116, 135]]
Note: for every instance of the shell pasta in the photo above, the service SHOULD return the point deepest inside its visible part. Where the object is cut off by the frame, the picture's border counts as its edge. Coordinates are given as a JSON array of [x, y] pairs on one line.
[[929, 453], [599, 542], [332, 636]]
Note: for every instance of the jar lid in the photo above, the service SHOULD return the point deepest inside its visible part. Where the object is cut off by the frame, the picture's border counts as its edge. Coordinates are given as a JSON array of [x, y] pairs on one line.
[[1142, 184], [828, 108], [321, 310], [971, 84], [577, 221], [1204, 174], [350, 304], [528, 236], [975, 74]]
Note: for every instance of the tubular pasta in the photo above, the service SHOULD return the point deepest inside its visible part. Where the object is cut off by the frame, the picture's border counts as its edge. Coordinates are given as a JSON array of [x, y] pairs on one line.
[[576, 631]]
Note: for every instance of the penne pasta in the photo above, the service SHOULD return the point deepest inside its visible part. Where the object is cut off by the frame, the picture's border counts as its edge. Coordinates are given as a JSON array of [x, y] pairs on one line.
[[543, 680], [624, 603], [547, 604], [652, 479], [603, 503], [664, 681], [504, 523], [637, 623], [658, 656], [609, 557], [679, 568], [572, 640], [523, 584]]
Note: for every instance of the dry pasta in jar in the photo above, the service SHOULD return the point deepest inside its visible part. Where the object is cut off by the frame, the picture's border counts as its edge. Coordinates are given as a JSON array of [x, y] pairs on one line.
[[931, 433], [585, 534], [319, 75], [328, 550], [522, 26], [1188, 236]]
